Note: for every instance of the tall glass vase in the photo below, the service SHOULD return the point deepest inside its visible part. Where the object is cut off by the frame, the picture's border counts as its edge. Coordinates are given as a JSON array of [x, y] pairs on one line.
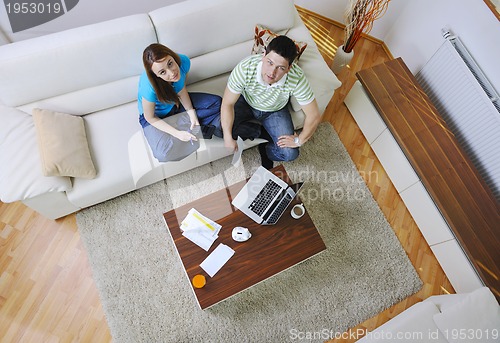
[[341, 59]]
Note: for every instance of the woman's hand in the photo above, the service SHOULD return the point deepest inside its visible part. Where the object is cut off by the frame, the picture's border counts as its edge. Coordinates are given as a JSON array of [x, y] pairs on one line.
[[193, 118], [185, 136]]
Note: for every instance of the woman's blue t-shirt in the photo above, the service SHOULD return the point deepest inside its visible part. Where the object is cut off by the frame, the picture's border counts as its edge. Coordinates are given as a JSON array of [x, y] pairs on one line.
[[147, 91]]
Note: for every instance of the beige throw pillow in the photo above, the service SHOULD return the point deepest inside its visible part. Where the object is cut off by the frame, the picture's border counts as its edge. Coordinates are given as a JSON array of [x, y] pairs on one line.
[[63, 145]]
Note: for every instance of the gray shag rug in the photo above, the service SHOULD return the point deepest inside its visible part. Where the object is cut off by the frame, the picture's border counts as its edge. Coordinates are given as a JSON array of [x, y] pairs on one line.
[[146, 295]]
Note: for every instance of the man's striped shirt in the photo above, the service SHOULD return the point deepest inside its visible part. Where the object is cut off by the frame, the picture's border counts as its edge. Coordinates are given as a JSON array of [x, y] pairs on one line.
[[246, 79]]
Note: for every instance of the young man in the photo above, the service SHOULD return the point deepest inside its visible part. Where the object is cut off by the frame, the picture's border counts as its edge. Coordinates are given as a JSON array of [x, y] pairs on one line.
[[259, 89]]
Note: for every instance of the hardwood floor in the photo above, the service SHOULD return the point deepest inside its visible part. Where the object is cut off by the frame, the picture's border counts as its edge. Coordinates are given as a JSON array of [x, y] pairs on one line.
[[368, 52], [47, 293]]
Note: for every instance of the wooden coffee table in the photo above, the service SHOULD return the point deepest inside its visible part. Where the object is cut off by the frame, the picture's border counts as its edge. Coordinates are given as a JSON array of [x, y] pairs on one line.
[[270, 250]]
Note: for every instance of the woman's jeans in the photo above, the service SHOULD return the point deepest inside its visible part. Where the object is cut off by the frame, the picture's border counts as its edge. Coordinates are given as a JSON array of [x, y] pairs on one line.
[[275, 124], [168, 148]]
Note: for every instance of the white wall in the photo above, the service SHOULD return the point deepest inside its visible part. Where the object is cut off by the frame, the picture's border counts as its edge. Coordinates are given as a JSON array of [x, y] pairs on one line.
[[412, 29], [416, 34], [84, 13], [333, 9]]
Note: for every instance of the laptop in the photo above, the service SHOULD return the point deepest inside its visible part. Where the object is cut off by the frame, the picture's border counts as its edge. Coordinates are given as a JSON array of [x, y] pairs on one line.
[[265, 197]]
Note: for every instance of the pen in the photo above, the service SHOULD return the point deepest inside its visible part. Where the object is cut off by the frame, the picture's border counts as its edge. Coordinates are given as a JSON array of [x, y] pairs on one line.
[[191, 139]]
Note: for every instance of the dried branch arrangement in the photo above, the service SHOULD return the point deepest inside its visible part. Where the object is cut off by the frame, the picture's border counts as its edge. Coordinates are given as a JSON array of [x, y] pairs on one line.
[[359, 18]]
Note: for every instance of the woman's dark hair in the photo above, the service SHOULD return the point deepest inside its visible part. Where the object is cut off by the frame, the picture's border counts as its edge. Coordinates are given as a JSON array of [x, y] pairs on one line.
[[163, 89], [283, 46]]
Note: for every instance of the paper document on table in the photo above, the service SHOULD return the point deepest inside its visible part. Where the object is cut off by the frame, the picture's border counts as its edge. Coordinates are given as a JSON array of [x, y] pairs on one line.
[[200, 229], [237, 154], [200, 238], [214, 262]]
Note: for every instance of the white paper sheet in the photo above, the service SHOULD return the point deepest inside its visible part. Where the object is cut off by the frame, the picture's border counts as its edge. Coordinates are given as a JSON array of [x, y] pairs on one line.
[[214, 262], [195, 220], [200, 238], [199, 229], [237, 154]]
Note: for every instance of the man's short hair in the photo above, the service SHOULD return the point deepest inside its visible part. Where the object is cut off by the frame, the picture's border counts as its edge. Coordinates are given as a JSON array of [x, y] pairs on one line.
[[283, 46]]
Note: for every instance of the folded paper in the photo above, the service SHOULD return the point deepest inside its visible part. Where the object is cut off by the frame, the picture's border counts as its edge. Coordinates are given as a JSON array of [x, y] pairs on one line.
[[199, 229]]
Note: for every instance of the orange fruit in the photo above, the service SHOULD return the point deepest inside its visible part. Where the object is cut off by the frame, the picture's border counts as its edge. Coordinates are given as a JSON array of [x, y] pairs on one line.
[[199, 281]]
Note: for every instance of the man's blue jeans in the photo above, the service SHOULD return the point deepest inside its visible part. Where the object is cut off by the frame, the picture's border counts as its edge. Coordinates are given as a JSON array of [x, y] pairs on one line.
[[275, 124]]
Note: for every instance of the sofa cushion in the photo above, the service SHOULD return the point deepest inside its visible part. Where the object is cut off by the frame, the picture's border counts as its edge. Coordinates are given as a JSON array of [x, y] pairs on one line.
[[108, 135], [74, 60], [220, 62], [91, 99], [321, 78], [210, 26], [263, 36], [473, 319], [20, 173], [63, 146]]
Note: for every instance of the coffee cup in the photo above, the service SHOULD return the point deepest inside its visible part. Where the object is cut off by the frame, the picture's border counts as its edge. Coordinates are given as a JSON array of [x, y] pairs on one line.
[[298, 211]]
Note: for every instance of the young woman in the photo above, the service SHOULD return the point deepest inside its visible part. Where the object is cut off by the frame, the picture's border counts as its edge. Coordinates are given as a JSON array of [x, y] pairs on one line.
[[162, 94]]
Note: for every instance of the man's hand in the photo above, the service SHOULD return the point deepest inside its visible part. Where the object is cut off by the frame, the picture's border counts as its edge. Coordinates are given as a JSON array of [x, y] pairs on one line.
[[313, 118], [227, 118], [230, 144], [287, 141]]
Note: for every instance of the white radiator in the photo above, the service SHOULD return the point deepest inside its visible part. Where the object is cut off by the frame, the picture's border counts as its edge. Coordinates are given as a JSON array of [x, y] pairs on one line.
[[468, 103]]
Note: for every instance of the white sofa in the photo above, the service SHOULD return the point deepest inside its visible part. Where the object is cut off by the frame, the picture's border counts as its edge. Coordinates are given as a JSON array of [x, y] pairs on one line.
[[93, 72], [466, 318]]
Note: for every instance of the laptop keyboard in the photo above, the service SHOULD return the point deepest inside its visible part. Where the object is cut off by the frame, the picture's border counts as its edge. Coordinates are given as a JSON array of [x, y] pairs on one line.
[[265, 196], [279, 209]]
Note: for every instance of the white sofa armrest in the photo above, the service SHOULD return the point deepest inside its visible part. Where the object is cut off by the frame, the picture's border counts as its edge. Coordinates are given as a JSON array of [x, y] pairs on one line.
[[20, 166], [445, 301], [476, 318], [52, 205]]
